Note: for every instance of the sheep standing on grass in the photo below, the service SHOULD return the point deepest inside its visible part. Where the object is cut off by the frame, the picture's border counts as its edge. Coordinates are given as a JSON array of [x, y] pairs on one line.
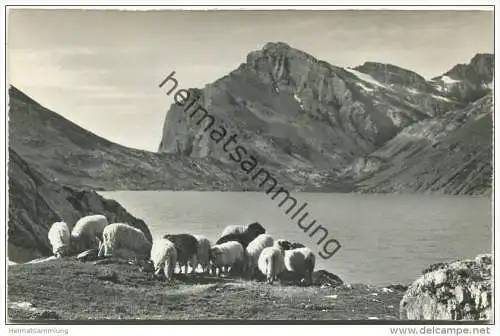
[[164, 258], [254, 249], [124, 241], [228, 254], [244, 238], [187, 249], [59, 238], [300, 262], [203, 254], [87, 232], [271, 261]]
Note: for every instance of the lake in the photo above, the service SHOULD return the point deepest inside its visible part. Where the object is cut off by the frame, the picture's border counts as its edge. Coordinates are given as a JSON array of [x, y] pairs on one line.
[[385, 239]]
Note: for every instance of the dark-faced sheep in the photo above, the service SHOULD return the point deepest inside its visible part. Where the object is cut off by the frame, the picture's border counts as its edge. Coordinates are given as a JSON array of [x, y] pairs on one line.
[[301, 263], [187, 249], [230, 229], [203, 254], [244, 238]]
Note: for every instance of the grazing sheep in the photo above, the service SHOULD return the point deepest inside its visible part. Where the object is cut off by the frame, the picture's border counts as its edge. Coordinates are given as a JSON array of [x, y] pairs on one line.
[[230, 229], [124, 241], [87, 232], [187, 248], [164, 258], [301, 263], [203, 254], [225, 255], [254, 249], [271, 261], [59, 238], [244, 238]]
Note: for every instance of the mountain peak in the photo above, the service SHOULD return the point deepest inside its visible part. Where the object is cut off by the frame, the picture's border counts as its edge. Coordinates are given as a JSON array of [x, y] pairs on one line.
[[469, 82], [479, 57], [276, 45]]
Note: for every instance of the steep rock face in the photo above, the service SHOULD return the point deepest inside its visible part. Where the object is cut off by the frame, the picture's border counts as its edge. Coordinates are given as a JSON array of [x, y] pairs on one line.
[[35, 203], [456, 291], [468, 82], [294, 111]]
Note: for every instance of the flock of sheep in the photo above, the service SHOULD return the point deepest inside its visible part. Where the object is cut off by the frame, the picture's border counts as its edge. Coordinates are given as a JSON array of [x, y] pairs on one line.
[[245, 250]]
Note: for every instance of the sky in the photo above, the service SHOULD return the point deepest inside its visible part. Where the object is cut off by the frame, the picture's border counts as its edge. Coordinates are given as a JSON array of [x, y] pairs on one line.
[[101, 68]]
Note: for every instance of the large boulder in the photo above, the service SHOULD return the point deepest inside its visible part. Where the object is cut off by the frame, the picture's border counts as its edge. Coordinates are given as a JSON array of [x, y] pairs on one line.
[[459, 290]]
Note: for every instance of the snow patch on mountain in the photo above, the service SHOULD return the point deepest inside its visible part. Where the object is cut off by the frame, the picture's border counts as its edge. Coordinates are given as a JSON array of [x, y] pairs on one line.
[[441, 98], [367, 78], [364, 87], [298, 100], [449, 80]]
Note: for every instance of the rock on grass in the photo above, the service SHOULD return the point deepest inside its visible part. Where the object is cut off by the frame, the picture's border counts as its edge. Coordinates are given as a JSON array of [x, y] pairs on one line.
[[459, 290]]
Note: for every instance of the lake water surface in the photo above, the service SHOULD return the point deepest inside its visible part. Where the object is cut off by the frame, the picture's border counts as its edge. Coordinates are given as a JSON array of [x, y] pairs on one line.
[[385, 238]]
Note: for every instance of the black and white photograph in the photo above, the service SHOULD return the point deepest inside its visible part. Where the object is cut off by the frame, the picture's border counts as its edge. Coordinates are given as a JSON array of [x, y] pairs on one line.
[[255, 165]]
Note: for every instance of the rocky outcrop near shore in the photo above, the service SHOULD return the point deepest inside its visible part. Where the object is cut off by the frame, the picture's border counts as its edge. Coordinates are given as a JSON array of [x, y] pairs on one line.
[[35, 203], [458, 291]]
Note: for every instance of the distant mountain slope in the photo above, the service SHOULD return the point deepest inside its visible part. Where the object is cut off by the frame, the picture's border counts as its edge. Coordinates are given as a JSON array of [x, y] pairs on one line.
[[69, 154], [35, 203], [451, 154]]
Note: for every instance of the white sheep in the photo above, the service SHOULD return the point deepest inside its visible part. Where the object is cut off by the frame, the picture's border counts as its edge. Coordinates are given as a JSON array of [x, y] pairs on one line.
[[203, 254], [271, 261], [59, 238], [225, 255], [164, 257], [87, 232], [230, 229], [254, 249], [301, 262], [124, 241]]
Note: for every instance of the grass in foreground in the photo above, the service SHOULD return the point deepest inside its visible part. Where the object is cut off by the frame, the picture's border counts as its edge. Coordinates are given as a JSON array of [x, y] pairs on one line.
[[72, 290]]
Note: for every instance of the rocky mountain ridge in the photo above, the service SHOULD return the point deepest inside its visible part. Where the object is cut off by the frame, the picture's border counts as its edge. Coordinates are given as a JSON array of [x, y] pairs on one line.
[[297, 113]]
